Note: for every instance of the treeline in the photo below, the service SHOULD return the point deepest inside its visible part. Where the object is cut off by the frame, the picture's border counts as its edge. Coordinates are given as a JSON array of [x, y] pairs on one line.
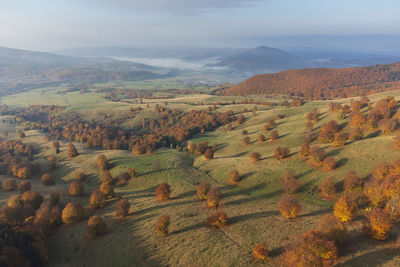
[[322, 83], [170, 128], [116, 94]]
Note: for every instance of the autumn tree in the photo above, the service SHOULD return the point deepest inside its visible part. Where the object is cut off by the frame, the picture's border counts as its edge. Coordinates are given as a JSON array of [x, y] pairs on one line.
[[24, 186], [345, 209], [107, 190], [234, 177], [209, 154], [106, 177], [32, 199], [260, 251], [218, 219], [245, 141], [48, 179], [96, 226], [9, 184], [73, 212], [332, 228], [289, 182], [162, 225], [281, 153], [76, 189], [202, 190], [289, 207], [213, 197], [163, 192], [327, 188], [261, 138], [329, 164], [304, 151], [379, 224], [102, 162], [274, 135], [97, 200], [352, 182], [72, 152], [123, 207], [255, 156], [317, 156], [339, 139]]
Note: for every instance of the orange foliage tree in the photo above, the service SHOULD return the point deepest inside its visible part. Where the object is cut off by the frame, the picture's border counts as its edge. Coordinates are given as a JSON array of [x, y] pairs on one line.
[[213, 198], [345, 209], [289, 207], [162, 224], [379, 224], [163, 192], [217, 219], [202, 190]]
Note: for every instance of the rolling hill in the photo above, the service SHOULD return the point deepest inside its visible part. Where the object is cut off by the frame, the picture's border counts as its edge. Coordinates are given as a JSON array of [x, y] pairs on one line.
[[320, 83]]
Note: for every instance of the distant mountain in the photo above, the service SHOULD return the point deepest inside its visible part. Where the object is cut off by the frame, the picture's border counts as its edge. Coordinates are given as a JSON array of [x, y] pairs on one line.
[[262, 58], [320, 83], [21, 70]]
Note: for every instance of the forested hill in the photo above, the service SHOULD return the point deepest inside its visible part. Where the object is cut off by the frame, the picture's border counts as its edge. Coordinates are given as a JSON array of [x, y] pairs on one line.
[[320, 83]]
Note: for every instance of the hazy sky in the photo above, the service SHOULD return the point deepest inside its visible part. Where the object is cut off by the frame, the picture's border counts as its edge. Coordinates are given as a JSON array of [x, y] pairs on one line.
[[53, 24]]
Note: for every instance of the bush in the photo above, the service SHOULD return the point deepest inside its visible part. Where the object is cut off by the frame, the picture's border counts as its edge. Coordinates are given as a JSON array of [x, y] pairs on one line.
[[304, 151], [9, 184], [345, 208], [217, 219], [329, 164], [33, 199], [106, 177], [358, 119], [72, 152], [123, 207], [163, 192], [327, 188], [379, 224], [209, 154], [332, 228], [76, 189], [72, 213], [260, 251], [202, 190], [24, 186], [96, 226], [311, 249], [213, 197], [245, 141], [274, 136], [352, 183], [289, 182], [317, 156], [162, 225], [48, 179], [97, 200], [102, 162], [255, 156], [281, 153], [107, 190], [234, 177], [289, 207], [261, 138]]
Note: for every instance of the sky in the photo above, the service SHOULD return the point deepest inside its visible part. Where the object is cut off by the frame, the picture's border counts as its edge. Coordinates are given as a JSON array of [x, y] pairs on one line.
[[47, 25]]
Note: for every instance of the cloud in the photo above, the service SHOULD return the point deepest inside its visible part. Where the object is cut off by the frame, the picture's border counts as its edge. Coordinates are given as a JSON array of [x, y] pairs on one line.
[[178, 6]]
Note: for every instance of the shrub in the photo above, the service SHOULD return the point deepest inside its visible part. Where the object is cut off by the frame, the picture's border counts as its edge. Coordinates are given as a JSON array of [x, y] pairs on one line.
[[261, 138], [162, 225], [260, 251], [48, 179], [107, 190], [76, 189], [9, 184], [106, 177], [327, 188], [289, 182], [213, 197], [289, 207], [123, 207], [339, 140], [255, 156], [97, 200], [234, 177], [72, 213], [217, 219], [274, 136], [345, 208], [163, 192], [317, 156], [33, 199], [54, 197], [281, 153], [311, 249], [72, 152], [202, 190], [379, 224], [329, 164], [304, 151], [24, 186], [209, 154], [102, 162], [245, 141], [332, 228], [352, 182], [96, 226]]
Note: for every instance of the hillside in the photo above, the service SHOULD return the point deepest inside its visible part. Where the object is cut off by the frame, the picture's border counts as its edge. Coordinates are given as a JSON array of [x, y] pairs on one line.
[[322, 83]]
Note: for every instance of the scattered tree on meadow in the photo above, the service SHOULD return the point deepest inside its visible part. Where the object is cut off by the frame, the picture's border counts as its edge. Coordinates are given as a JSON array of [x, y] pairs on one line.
[[48, 179], [281, 153], [163, 192], [329, 164], [202, 190], [260, 251], [76, 189], [32, 199], [102, 162], [213, 198], [327, 188], [107, 190], [332, 228], [218, 219], [234, 177], [352, 182], [123, 207], [96, 226], [255, 156], [209, 154], [106, 177], [162, 224], [379, 224], [339, 139], [72, 213], [289, 182], [274, 136], [24, 186], [317, 156], [289, 207], [261, 138], [304, 151], [97, 200], [245, 141], [9, 184], [356, 134], [72, 152], [345, 208]]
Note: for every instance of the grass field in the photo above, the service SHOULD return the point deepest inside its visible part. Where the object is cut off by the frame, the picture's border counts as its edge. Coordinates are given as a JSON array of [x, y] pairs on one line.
[[251, 206]]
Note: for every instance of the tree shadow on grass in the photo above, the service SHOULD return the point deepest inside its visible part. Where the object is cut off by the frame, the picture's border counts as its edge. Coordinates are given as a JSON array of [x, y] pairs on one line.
[[189, 228], [334, 152], [250, 199], [316, 212], [233, 156], [372, 259], [341, 162], [151, 172], [276, 252], [244, 191], [166, 205], [186, 194], [255, 215], [246, 175]]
